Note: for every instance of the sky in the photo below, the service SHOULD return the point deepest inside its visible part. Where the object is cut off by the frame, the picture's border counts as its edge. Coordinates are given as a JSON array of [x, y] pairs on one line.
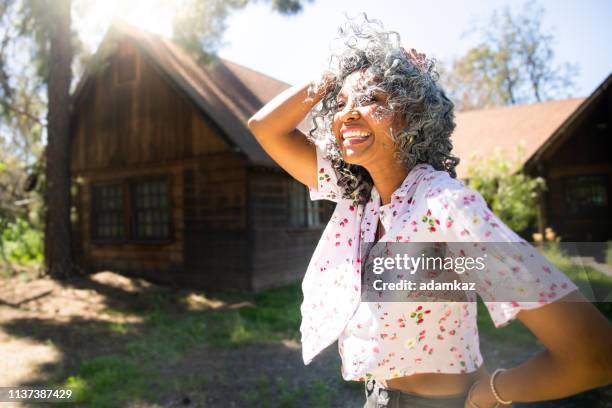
[[294, 48]]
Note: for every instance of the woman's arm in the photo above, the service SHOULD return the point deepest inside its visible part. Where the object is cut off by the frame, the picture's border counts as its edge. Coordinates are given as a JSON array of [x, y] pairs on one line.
[[578, 355], [520, 282], [274, 127]]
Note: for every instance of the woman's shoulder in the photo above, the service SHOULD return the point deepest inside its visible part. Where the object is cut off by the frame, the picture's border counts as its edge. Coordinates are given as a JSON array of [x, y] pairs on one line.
[[439, 183], [440, 192]]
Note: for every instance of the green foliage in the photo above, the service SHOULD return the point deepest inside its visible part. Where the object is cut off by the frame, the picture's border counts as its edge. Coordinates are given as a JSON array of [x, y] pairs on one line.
[[199, 25], [288, 6], [512, 63], [21, 244], [512, 195]]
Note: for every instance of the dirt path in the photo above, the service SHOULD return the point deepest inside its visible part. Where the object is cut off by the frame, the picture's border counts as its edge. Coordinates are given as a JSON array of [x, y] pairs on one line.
[[47, 328]]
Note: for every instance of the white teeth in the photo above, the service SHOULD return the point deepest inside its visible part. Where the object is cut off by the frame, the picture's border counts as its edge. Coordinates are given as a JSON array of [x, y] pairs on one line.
[[356, 134]]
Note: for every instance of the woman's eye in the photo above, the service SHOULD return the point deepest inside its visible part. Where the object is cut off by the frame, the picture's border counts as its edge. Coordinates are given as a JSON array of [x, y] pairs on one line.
[[368, 99], [340, 104]]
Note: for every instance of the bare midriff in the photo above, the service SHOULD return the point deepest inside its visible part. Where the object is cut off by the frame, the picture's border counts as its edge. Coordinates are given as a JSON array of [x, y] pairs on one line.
[[437, 384]]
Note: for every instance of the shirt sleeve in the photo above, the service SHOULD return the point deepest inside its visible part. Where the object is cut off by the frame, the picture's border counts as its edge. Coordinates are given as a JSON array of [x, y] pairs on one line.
[[516, 276], [327, 180]]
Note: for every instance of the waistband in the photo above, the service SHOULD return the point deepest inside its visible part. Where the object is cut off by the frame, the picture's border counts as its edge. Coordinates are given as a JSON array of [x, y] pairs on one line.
[[378, 396]]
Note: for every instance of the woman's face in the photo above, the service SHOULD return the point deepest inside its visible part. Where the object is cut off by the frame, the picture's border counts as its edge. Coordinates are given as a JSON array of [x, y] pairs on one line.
[[363, 131]]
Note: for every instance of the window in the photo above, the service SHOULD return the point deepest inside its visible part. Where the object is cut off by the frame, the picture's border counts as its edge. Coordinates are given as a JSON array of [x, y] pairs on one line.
[[151, 215], [147, 207], [303, 212], [586, 194], [108, 221]]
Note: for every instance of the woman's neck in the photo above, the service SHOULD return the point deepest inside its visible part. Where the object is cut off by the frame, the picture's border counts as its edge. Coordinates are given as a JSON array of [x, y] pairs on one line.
[[387, 179]]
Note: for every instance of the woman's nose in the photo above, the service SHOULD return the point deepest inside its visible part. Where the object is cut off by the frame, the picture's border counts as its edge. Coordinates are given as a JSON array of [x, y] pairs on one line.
[[350, 113]]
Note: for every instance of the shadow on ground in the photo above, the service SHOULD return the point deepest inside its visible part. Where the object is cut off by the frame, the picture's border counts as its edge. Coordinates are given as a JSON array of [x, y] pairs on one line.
[[125, 342]]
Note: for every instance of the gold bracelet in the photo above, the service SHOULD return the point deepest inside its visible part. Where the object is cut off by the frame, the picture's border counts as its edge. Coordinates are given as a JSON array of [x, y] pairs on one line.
[[494, 391]]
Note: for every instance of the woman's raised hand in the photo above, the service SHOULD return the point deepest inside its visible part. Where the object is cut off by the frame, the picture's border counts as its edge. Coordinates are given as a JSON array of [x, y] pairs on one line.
[[275, 128], [321, 87], [418, 58]]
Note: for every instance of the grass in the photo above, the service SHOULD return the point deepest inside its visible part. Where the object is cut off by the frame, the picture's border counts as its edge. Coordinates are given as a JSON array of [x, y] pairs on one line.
[[281, 394], [108, 381], [595, 285], [585, 277], [170, 332]]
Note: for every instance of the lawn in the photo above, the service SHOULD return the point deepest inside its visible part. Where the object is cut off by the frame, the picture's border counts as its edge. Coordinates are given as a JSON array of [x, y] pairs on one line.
[[160, 347]]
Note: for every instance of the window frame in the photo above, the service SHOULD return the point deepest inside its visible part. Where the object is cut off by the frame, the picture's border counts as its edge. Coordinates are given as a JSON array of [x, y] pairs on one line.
[[309, 208], [133, 227], [128, 188], [570, 182], [95, 213]]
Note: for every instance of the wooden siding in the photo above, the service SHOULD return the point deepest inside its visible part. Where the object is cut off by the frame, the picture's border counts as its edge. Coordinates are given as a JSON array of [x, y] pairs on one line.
[[137, 122], [157, 261], [135, 125], [216, 238], [280, 254], [584, 151]]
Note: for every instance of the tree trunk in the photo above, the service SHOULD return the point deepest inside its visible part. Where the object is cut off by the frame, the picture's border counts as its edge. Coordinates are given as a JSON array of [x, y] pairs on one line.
[[58, 248]]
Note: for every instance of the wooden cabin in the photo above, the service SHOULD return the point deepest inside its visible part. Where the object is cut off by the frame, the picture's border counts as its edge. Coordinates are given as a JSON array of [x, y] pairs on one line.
[[171, 184], [576, 162], [567, 142], [173, 187]]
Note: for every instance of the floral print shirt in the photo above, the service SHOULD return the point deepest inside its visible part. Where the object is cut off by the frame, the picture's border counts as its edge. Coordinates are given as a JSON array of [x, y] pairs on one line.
[[384, 340]]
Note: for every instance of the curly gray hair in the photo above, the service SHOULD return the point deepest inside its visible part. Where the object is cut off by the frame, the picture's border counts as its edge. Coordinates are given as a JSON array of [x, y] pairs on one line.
[[414, 96]]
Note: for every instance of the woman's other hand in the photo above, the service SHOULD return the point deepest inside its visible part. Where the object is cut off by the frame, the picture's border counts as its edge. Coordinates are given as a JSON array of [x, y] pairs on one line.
[[480, 396]]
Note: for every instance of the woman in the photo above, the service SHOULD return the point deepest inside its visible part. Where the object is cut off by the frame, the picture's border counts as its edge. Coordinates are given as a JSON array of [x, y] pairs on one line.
[[382, 152]]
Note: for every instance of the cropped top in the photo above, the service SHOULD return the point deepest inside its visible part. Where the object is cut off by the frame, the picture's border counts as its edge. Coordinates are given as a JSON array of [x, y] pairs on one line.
[[385, 340]]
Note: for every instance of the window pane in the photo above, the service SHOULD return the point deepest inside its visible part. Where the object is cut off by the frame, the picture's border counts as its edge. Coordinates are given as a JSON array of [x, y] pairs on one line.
[[151, 212], [314, 219], [586, 193], [107, 212]]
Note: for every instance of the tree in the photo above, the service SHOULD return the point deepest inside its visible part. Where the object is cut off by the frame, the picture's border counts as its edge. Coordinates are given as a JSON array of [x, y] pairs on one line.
[[49, 26], [199, 24], [513, 63], [58, 241], [512, 195]]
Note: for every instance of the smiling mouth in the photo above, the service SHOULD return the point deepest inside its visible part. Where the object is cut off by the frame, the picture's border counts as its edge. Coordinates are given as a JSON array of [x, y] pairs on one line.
[[354, 137]]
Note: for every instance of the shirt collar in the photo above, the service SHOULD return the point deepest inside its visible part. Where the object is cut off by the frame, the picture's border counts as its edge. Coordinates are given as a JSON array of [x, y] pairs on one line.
[[406, 184]]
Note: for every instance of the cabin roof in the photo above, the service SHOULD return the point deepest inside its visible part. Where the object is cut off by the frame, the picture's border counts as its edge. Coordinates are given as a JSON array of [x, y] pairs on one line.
[[230, 93], [537, 125], [481, 132], [226, 92]]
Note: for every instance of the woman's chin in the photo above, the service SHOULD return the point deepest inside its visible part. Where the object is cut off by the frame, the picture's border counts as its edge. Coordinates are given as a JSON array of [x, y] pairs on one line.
[[357, 159], [355, 154]]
